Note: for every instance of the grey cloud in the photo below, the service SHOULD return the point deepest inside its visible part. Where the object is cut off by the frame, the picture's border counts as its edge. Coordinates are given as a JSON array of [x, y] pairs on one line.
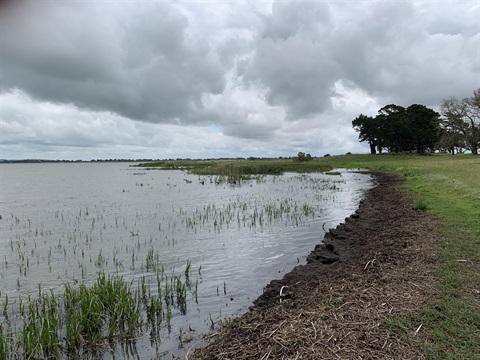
[[250, 130], [302, 53], [290, 18], [384, 48], [232, 50], [398, 60], [449, 19], [145, 64], [265, 72], [291, 59]]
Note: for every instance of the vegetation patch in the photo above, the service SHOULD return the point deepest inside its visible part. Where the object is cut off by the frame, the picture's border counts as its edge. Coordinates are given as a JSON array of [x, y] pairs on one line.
[[420, 206], [420, 129], [427, 303], [337, 305], [237, 169], [85, 319]]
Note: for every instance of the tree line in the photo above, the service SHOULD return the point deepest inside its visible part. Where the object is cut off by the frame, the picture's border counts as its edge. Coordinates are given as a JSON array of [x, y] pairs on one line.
[[420, 129]]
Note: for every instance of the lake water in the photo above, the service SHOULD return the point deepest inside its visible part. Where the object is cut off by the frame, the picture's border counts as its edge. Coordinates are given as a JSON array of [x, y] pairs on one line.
[[66, 222]]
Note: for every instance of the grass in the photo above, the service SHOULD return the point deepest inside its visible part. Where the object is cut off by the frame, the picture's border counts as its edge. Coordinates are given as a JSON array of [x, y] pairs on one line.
[[239, 168], [448, 188], [86, 318]]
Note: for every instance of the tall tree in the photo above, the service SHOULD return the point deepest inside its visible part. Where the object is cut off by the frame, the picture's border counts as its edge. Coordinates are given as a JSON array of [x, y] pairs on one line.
[[449, 140], [368, 130], [399, 129], [463, 117], [395, 133], [423, 124]]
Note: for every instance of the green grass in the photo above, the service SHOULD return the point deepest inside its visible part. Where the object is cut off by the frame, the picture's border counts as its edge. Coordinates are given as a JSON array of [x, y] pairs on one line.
[[86, 318], [448, 188], [238, 168]]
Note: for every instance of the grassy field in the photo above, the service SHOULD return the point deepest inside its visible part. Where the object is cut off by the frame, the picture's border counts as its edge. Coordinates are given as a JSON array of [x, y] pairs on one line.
[[448, 188]]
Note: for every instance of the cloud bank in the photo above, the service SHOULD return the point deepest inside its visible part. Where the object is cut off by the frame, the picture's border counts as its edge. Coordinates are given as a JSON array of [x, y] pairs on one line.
[[155, 79]]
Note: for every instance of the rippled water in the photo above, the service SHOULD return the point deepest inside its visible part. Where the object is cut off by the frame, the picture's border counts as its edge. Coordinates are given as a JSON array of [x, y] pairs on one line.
[[66, 222]]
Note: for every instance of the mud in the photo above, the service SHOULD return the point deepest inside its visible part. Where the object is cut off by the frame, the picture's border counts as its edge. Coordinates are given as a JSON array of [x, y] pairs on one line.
[[376, 266]]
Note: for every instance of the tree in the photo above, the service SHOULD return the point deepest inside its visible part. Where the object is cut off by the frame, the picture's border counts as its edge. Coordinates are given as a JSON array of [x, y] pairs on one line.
[[449, 140], [463, 117], [399, 129], [423, 124], [394, 129], [368, 130], [301, 157]]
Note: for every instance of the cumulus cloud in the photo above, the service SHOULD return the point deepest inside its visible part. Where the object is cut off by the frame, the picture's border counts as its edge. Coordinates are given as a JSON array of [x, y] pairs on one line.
[[269, 77], [386, 48], [143, 63], [29, 126], [291, 58]]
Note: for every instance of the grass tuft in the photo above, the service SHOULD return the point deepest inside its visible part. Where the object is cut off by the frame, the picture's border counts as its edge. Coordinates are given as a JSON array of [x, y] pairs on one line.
[[420, 206], [86, 318]]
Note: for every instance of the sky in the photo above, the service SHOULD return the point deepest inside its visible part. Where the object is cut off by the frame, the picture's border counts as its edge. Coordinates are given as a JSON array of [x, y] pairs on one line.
[[82, 80]]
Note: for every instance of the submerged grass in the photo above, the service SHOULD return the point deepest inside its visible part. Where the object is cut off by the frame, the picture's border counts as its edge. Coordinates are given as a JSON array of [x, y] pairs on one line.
[[86, 318], [83, 318]]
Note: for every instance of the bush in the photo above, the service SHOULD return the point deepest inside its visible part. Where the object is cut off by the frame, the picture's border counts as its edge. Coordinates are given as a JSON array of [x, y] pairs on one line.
[[301, 157]]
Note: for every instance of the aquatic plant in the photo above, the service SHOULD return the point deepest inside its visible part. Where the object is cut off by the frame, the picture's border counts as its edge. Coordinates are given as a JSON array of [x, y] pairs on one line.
[[74, 244], [86, 317]]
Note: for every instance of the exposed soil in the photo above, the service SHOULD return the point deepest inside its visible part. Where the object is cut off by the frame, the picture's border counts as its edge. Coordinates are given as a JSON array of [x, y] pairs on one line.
[[376, 266]]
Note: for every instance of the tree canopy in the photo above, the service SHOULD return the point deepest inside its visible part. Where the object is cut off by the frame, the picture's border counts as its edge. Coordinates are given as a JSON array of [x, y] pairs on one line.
[[461, 122], [421, 129], [399, 129], [301, 157]]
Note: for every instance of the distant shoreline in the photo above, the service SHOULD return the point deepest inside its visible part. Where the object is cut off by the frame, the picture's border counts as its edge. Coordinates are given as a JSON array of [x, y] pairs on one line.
[[39, 161], [33, 161]]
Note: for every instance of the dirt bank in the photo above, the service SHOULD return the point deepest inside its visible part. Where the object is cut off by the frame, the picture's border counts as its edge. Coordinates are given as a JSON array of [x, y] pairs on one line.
[[377, 265]]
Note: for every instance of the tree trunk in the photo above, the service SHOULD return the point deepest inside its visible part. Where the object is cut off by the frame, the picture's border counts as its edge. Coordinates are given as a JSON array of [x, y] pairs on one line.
[[372, 148]]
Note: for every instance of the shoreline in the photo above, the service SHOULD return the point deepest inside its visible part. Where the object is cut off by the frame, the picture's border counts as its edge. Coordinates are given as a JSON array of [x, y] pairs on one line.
[[377, 265]]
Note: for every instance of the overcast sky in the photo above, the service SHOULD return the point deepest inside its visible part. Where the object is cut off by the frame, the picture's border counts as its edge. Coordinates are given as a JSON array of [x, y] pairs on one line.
[[201, 79]]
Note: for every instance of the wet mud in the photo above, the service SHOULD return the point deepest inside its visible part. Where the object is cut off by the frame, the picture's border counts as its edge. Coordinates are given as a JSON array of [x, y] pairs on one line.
[[378, 265]]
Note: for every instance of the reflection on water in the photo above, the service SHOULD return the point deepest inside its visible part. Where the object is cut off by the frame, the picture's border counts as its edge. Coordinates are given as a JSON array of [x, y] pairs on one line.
[[65, 223]]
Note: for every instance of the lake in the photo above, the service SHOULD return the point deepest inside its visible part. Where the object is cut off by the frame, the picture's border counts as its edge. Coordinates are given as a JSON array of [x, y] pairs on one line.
[[67, 222]]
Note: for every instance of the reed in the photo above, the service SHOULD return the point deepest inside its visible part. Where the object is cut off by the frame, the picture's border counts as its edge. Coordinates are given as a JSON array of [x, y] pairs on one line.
[[3, 344], [85, 317], [237, 168]]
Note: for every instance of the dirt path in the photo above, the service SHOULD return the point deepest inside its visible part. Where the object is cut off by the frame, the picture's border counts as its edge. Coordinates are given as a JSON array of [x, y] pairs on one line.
[[376, 266]]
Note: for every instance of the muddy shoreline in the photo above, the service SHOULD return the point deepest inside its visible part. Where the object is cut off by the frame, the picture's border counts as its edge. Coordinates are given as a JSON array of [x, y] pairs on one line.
[[377, 265]]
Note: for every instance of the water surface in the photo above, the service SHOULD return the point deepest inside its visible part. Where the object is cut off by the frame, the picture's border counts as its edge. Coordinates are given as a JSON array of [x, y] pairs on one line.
[[66, 222]]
